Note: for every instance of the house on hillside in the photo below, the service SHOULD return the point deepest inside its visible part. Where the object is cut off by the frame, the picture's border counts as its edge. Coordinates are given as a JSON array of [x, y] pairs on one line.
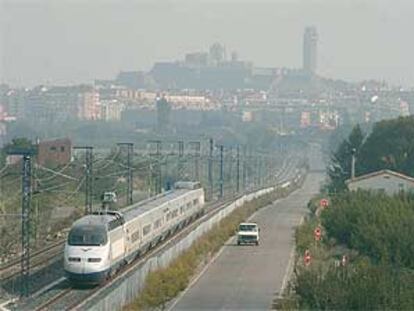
[[386, 181], [54, 152], [51, 153]]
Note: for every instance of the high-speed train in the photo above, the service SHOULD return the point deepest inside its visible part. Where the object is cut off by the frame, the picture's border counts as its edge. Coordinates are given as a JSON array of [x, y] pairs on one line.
[[98, 244]]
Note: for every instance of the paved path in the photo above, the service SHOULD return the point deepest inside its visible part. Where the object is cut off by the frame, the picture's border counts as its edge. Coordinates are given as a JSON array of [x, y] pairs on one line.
[[247, 277]]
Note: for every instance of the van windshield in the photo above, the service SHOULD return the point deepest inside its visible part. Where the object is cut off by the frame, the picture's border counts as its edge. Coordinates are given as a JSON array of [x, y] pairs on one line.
[[87, 236], [247, 228]]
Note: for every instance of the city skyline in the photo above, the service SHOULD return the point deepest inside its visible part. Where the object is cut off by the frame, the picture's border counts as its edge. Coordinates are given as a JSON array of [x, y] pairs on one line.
[[76, 42]]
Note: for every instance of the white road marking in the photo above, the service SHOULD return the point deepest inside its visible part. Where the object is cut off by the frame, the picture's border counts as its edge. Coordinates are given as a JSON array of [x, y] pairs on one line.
[[289, 267]]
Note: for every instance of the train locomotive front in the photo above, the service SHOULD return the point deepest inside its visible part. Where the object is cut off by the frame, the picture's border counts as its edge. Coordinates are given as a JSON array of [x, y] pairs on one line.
[[87, 251]]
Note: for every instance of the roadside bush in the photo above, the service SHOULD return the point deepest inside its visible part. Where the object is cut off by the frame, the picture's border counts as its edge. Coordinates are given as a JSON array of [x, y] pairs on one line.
[[377, 234], [304, 236], [361, 286], [378, 226]]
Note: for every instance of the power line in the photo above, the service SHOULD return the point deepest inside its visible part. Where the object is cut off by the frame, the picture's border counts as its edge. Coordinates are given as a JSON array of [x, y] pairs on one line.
[[130, 152], [56, 173], [88, 177]]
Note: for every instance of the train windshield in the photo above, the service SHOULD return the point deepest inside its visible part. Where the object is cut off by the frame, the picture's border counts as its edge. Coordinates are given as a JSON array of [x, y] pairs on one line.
[[87, 236]]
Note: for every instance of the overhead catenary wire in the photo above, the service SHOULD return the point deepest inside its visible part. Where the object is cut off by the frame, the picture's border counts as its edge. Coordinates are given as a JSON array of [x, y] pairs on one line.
[[57, 173]]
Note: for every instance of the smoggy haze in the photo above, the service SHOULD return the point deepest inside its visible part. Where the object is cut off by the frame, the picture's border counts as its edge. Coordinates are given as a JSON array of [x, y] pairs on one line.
[[77, 41]]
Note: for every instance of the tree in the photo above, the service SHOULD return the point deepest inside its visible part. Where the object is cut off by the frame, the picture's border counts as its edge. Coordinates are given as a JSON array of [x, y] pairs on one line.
[[19, 143], [340, 166], [389, 146]]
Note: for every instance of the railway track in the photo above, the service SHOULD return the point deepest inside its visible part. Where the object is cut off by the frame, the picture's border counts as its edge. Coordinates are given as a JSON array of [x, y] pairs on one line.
[[43, 256], [39, 259], [63, 297]]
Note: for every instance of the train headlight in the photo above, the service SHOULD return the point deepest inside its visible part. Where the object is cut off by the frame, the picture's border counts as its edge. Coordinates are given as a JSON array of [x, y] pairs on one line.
[[94, 259], [74, 259]]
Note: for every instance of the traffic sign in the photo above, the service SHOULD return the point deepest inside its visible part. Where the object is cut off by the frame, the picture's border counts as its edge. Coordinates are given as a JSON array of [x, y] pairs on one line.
[[318, 233], [324, 203], [307, 258]]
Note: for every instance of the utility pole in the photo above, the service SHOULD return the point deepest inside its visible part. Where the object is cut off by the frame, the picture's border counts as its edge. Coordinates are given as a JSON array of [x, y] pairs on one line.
[[244, 168], [27, 154], [210, 168], [221, 171], [88, 177], [197, 149], [180, 160], [260, 161], [238, 169], [130, 180], [251, 171], [157, 154], [230, 170], [353, 151]]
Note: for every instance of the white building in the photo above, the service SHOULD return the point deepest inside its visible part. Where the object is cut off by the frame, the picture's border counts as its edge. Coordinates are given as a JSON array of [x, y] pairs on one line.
[[386, 181], [111, 110]]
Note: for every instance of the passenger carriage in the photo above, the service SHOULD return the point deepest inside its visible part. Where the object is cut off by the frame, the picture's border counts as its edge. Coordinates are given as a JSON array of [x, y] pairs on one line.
[[100, 243]]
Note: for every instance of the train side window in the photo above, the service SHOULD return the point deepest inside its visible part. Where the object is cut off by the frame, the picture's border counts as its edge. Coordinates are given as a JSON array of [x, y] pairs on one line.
[[181, 209], [158, 223], [135, 236], [195, 201], [188, 205], [115, 223], [146, 229]]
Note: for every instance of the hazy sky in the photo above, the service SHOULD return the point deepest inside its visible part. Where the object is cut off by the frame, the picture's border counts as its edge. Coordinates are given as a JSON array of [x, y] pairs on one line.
[[72, 41]]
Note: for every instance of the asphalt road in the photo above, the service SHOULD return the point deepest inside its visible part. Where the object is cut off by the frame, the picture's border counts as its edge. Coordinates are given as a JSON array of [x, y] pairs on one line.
[[247, 277]]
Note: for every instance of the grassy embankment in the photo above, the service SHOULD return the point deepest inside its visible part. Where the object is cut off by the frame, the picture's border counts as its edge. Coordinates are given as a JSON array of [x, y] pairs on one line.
[[165, 284], [376, 234]]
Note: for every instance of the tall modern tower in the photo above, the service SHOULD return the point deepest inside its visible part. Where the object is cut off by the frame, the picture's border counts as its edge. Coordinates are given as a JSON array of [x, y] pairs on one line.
[[310, 50]]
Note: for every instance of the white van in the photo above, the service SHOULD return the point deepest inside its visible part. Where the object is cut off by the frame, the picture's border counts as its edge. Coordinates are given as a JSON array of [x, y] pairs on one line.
[[248, 233]]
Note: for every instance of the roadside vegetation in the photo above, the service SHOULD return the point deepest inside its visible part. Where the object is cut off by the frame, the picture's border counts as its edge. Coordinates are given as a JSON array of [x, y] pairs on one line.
[[163, 285], [375, 233], [365, 259]]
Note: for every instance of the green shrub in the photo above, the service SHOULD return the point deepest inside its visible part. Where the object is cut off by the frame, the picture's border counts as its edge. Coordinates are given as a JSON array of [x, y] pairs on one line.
[[377, 232], [360, 286], [378, 226]]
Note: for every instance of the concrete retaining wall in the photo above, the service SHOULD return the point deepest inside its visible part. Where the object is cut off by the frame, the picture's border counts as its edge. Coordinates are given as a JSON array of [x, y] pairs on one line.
[[125, 290]]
